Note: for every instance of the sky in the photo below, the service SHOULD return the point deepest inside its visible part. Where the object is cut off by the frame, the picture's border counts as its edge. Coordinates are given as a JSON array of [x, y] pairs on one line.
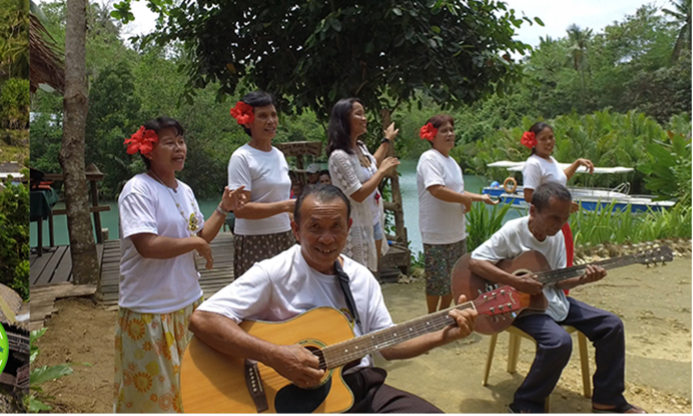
[[557, 15]]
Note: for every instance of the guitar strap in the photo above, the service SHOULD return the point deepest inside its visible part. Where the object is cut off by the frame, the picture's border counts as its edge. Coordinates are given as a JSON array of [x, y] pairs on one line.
[[344, 284]]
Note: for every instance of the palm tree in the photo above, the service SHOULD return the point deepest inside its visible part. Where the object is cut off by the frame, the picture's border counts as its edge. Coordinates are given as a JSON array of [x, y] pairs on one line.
[[578, 50], [682, 16]]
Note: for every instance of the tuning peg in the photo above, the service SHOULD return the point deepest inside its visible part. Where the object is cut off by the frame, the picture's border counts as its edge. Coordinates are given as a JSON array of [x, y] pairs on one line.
[[513, 314], [480, 292], [502, 316]]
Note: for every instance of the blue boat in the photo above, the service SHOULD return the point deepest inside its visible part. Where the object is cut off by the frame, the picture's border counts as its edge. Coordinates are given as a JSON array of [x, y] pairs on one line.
[[590, 199]]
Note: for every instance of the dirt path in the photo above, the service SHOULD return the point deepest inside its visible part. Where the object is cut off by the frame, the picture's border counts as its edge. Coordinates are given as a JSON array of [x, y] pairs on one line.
[[654, 303]]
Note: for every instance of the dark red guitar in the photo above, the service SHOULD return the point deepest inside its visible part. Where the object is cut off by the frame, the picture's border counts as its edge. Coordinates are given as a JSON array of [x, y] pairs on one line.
[[464, 282]]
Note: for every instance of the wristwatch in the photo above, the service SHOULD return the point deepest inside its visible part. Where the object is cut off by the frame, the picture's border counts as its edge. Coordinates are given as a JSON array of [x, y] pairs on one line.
[[385, 140]]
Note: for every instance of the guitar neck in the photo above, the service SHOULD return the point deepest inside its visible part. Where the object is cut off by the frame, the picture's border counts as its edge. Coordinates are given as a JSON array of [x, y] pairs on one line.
[[347, 351], [553, 276]]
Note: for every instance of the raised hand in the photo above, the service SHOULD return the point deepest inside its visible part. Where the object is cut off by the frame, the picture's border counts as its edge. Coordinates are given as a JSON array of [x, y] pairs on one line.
[[389, 165], [586, 163], [391, 132], [233, 200]]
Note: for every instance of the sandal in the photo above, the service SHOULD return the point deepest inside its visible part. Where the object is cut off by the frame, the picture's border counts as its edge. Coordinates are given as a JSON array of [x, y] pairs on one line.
[[621, 408]]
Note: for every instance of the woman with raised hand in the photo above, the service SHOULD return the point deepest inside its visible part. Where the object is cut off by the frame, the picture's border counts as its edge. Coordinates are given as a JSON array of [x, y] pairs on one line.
[[357, 172], [161, 228], [541, 167], [263, 228], [443, 203]]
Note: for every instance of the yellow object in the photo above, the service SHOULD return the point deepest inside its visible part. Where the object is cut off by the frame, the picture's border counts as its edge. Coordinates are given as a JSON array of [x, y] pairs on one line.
[[516, 336]]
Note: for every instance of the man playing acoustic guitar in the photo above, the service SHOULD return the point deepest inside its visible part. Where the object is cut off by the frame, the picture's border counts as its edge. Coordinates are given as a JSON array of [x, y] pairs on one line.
[[307, 276], [549, 211]]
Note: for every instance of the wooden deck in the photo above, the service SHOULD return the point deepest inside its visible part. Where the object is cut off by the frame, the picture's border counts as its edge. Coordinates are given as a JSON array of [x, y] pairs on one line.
[[55, 267]]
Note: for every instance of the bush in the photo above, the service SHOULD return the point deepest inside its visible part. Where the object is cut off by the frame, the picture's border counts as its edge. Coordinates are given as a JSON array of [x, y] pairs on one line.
[[14, 104], [14, 238]]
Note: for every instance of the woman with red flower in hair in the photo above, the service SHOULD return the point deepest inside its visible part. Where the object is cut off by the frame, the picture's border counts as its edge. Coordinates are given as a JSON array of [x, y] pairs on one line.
[[262, 228], [541, 167], [161, 227], [443, 203]]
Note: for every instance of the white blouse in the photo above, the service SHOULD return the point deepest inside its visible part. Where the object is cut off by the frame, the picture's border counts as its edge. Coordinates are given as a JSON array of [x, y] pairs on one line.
[[348, 175]]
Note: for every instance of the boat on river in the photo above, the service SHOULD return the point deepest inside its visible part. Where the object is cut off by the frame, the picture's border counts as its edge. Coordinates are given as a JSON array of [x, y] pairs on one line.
[[590, 199]]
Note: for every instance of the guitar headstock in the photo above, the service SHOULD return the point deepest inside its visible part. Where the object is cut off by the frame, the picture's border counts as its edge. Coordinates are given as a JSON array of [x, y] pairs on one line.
[[661, 254], [505, 299]]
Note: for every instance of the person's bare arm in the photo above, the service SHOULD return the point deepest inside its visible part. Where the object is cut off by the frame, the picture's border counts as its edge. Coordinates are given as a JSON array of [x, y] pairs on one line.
[[260, 210], [367, 188], [491, 272], [570, 170], [152, 246], [293, 362], [390, 134]]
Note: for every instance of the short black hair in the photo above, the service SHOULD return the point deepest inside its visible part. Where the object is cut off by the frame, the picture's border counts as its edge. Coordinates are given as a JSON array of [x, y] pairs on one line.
[[258, 99], [159, 124], [541, 198], [324, 172], [321, 193]]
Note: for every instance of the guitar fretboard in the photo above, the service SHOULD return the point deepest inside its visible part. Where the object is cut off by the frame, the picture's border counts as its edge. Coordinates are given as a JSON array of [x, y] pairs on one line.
[[553, 276], [347, 351]]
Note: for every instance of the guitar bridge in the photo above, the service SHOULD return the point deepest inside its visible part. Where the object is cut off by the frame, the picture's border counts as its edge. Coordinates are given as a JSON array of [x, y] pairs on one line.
[[254, 384]]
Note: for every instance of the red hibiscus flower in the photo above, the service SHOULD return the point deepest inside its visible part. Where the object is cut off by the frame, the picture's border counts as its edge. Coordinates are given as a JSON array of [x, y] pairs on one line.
[[529, 139], [428, 132], [243, 113], [142, 141]]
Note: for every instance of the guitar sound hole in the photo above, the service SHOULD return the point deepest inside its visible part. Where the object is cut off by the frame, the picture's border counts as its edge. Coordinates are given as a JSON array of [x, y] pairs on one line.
[[293, 399]]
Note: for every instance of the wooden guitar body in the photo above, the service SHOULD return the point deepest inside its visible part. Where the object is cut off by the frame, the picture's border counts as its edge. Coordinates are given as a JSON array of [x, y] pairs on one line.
[[215, 382], [464, 282]]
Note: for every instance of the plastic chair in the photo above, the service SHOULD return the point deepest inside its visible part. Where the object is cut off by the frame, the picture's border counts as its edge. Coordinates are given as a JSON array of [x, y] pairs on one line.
[[516, 336]]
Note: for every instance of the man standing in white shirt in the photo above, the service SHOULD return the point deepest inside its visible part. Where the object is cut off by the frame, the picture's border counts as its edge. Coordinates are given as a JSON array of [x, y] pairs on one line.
[[305, 277], [550, 210]]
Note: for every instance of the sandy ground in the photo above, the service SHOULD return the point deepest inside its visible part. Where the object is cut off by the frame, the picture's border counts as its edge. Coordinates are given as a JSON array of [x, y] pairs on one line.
[[654, 303]]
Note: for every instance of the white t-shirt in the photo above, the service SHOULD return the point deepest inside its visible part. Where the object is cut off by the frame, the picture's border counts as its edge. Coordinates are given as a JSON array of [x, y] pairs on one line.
[[156, 285], [513, 239], [284, 286], [440, 222], [538, 170], [266, 176]]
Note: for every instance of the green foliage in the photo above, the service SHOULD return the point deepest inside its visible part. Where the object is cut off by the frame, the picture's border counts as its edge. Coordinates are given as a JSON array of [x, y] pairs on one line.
[[608, 139], [14, 104], [41, 375], [669, 168], [320, 52], [597, 227], [14, 41], [483, 222], [14, 238]]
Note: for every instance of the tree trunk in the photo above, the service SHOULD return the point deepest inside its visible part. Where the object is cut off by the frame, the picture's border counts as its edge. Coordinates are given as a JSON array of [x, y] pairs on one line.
[[85, 265], [401, 232]]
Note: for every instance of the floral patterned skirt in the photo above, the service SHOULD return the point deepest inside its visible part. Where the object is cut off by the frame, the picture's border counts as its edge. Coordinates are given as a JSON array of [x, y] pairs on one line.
[[149, 349], [439, 261]]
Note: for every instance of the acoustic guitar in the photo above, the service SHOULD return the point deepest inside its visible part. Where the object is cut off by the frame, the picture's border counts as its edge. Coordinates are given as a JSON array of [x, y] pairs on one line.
[[464, 282], [213, 382]]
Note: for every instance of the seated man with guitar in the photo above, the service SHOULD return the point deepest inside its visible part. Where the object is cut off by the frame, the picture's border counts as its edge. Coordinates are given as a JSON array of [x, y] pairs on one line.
[[290, 366], [540, 231]]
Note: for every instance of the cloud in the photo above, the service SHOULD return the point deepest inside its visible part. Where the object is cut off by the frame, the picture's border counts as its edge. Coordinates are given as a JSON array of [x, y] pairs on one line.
[[558, 15]]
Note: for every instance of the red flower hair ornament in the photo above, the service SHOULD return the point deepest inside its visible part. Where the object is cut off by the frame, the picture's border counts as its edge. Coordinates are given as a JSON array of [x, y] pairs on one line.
[[142, 141], [243, 113], [428, 132], [529, 139]]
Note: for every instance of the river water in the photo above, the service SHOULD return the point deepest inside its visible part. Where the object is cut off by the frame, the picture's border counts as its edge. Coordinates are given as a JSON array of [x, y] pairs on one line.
[[407, 182]]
